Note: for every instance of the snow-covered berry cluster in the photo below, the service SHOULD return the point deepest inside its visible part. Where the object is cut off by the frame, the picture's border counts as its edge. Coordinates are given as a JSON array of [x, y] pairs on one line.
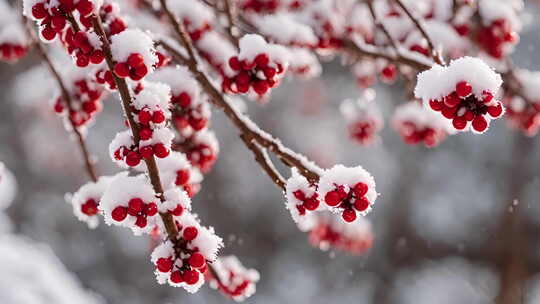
[[363, 117], [418, 125], [134, 54], [329, 233], [85, 47], [303, 63], [523, 112], [86, 200], [498, 32], [105, 77], [113, 23], [367, 71], [176, 171], [13, 42], [184, 262], [463, 92], [259, 66], [130, 201], [86, 98], [195, 16], [349, 191], [344, 190], [202, 150], [233, 279]]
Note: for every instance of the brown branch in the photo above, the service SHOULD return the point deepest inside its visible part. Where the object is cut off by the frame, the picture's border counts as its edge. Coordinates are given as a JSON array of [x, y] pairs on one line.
[[261, 157], [89, 166], [121, 84], [420, 26], [231, 18]]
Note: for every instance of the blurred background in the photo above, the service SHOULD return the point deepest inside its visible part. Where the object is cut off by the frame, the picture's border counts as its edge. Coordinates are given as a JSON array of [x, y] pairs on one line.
[[459, 223]]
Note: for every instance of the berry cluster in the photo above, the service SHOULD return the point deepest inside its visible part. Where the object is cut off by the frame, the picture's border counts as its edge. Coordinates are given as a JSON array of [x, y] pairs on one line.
[[202, 150], [347, 191], [125, 152], [134, 54], [177, 172], [418, 125], [233, 279], [105, 77], [110, 16], [302, 197], [466, 109], [258, 67], [13, 43], [86, 201], [496, 38], [85, 47], [86, 99], [195, 16], [364, 119], [355, 238], [522, 115]]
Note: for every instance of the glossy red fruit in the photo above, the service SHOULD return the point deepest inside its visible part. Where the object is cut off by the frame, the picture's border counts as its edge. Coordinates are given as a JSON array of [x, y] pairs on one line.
[[119, 213], [463, 89], [349, 215], [190, 233]]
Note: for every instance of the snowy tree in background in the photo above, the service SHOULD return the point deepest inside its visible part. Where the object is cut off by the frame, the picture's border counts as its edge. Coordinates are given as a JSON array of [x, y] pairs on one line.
[[170, 62]]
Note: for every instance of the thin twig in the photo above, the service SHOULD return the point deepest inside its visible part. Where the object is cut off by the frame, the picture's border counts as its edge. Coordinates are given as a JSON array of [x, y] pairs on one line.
[[89, 166], [420, 26], [261, 157], [381, 26], [231, 18]]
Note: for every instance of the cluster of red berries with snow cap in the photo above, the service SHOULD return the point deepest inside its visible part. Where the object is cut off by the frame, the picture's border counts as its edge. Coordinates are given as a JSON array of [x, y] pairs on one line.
[[233, 279], [327, 20], [363, 117], [176, 171], [125, 153], [112, 22], [51, 14], [303, 63], [258, 67], [202, 150], [301, 197], [105, 77], [176, 202], [134, 54], [327, 232], [463, 92], [183, 263], [195, 16], [524, 114], [13, 42], [500, 25], [86, 98], [86, 200], [366, 72], [130, 201], [216, 50], [348, 190], [417, 124], [85, 47]]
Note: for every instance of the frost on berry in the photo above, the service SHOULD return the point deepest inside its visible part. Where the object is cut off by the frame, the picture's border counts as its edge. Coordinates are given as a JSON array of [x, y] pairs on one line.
[[134, 54], [195, 16], [258, 67], [183, 263], [348, 191], [301, 197], [524, 114], [363, 117], [327, 232], [463, 92], [233, 279], [418, 125], [130, 201], [86, 200]]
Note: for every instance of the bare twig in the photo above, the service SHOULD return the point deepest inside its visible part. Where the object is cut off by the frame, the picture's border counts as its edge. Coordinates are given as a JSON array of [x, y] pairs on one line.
[[231, 18], [89, 166], [261, 157], [420, 26], [381, 26]]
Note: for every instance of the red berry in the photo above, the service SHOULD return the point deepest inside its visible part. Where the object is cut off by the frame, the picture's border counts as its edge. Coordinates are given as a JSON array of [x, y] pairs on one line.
[[133, 159], [178, 210], [160, 150], [452, 100], [242, 78], [197, 123], [135, 60], [182, 177], [360, 189], [299, 194], [141, 221], [449, 112], [89, 207], [495, 111], [39, 11], [158, 117], [89, 107], [488, 96], [246, 65], [146, 152], [176, 277], [262, 60], [436, 104], [85, 7], [459, 122], [145, 117], [269, 72], [82, 60], [150, 209], [140, 72], [463, 89], [191, 277], [119, 213], [190, 233], [184, 100], [311, 204], [235, 64], [48, 33], [469, 115], [121, 70], [361, 204], [135, 206], [97, 57], [164, 265], [349, 215], [479, 123], [260, 87], [145, 133], [58, 23], [332, 198], [389, 72], [242, 88], [197, 260]]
